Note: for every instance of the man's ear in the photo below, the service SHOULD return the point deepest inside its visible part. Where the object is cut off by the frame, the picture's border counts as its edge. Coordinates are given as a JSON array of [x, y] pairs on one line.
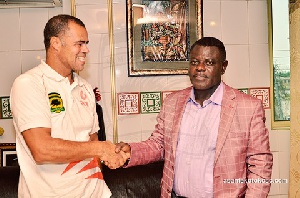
[[224, 66], [55, 42]]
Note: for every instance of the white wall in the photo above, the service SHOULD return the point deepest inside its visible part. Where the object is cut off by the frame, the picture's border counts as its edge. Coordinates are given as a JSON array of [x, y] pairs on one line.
[[241, 24], [21, 48]]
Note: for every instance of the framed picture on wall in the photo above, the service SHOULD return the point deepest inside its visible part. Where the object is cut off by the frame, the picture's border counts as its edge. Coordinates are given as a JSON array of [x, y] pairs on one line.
[[160, 34], [5, 108], [8, 155]]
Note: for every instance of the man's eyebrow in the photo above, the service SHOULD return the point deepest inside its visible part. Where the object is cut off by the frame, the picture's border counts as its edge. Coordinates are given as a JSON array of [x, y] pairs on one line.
[[210, 59], [85, 42]]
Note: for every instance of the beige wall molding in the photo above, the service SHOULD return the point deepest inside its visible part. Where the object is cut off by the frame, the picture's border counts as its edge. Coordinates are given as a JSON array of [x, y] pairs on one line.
[[112, 70]]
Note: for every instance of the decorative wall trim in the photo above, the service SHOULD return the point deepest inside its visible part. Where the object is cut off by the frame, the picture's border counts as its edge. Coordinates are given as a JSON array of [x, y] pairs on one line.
[[73, 8], [112, 70]]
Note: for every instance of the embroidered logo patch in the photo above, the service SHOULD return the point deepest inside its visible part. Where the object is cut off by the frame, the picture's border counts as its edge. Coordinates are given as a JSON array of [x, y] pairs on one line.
[[56, 103]]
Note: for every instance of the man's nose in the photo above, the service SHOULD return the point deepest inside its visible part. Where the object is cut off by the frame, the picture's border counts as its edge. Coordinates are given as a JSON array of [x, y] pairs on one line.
[[85, 48], [201, 66]]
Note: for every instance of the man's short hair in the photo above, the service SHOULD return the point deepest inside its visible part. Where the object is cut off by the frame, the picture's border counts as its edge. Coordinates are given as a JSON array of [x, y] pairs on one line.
[[211, 41], [57, 25]]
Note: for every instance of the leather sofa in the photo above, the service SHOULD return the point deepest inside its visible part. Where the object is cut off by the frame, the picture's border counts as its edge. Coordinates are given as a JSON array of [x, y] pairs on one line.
[[139, 181]]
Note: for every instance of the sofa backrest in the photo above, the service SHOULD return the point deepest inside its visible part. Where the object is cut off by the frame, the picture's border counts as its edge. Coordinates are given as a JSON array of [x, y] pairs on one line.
[[139, 181]]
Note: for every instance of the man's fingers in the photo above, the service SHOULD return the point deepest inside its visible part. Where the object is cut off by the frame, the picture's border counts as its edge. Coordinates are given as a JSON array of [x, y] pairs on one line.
[[119, 146], [117, 149], [115, 160], [123, 156]]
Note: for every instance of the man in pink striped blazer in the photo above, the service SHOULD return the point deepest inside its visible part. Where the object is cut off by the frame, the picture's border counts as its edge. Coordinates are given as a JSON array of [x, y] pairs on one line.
[[212, 137]]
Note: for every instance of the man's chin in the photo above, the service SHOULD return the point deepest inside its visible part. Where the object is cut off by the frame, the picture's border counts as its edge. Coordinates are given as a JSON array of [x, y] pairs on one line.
[[203, 87], [200, 85], [79, 68]]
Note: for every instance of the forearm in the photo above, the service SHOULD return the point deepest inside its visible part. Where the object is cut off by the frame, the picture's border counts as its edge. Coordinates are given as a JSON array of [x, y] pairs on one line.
[[46, 149], [144, 153], [259, 156], [259, 175], [64, 151], [149, 150]]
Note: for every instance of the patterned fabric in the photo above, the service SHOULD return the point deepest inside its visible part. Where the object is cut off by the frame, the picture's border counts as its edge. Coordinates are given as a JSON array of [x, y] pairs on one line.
[[196, 146], [243, 141]]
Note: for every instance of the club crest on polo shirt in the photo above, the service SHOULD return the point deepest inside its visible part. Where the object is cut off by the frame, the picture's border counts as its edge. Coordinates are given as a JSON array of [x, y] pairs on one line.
[[83, 98], [56, 103]]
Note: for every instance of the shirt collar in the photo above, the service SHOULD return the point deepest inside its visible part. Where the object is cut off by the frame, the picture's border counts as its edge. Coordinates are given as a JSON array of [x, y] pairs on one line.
[[51, 73], [216, 97], [77, 80]]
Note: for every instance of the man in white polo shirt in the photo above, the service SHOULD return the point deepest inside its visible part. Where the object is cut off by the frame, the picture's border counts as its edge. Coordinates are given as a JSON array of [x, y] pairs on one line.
[[56, 123]]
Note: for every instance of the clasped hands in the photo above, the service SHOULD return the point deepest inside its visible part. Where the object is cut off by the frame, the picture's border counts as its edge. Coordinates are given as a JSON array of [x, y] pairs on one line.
[[115, 155]]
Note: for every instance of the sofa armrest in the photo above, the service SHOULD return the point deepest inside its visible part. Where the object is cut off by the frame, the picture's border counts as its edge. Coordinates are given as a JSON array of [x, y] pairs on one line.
[[138, 181]]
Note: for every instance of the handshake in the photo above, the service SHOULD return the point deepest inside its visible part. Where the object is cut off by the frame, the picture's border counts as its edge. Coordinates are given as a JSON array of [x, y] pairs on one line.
[[115, 155]]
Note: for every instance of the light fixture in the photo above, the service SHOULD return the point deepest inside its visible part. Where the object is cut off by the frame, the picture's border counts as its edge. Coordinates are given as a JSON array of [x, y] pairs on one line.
[[30, 3]]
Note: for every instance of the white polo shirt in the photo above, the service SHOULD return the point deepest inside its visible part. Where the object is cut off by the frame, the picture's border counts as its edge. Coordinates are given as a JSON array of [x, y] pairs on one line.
[[43, 98]]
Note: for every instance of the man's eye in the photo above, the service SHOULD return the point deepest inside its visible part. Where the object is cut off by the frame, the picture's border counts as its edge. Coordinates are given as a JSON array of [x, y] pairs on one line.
[[194, 62], [209, 63]]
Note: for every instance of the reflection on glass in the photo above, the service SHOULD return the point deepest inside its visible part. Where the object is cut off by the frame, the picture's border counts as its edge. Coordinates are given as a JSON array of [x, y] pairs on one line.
[[164, 31], [281, 60]]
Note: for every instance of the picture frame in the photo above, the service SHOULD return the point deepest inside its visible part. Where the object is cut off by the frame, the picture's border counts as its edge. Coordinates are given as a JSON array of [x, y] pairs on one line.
[[5, 111], [160, 34], [279, 56], [8, 155]]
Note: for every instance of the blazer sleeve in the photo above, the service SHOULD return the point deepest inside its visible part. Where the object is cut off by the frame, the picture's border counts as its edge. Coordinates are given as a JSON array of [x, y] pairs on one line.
[[259, 158], [152, 149]]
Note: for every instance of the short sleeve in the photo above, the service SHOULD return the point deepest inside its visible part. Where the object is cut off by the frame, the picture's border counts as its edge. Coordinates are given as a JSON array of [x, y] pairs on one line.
[[29, 103]]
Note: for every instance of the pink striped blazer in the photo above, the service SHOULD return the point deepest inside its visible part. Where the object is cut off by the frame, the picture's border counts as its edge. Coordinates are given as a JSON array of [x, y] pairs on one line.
[[243, 161]]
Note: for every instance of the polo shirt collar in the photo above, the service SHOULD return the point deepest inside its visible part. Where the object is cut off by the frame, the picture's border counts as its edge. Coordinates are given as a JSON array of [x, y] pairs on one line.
[[51, 73], [77, 79]]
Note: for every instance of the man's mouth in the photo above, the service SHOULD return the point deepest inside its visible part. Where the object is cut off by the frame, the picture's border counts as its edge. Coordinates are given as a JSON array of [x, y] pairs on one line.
[[200, 77], [81, 58]]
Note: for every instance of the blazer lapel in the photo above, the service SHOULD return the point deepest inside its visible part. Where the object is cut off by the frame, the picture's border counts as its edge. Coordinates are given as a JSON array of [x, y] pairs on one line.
[[228, 108], [179, 110]]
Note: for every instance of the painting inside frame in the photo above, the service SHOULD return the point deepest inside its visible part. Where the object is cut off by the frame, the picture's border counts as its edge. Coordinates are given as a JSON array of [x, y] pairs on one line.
[[8, 154], [160, 34]]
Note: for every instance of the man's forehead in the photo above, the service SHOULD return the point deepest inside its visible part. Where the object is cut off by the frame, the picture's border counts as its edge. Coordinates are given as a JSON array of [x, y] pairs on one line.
[[77, 32], [206, 47], [205, 50]]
